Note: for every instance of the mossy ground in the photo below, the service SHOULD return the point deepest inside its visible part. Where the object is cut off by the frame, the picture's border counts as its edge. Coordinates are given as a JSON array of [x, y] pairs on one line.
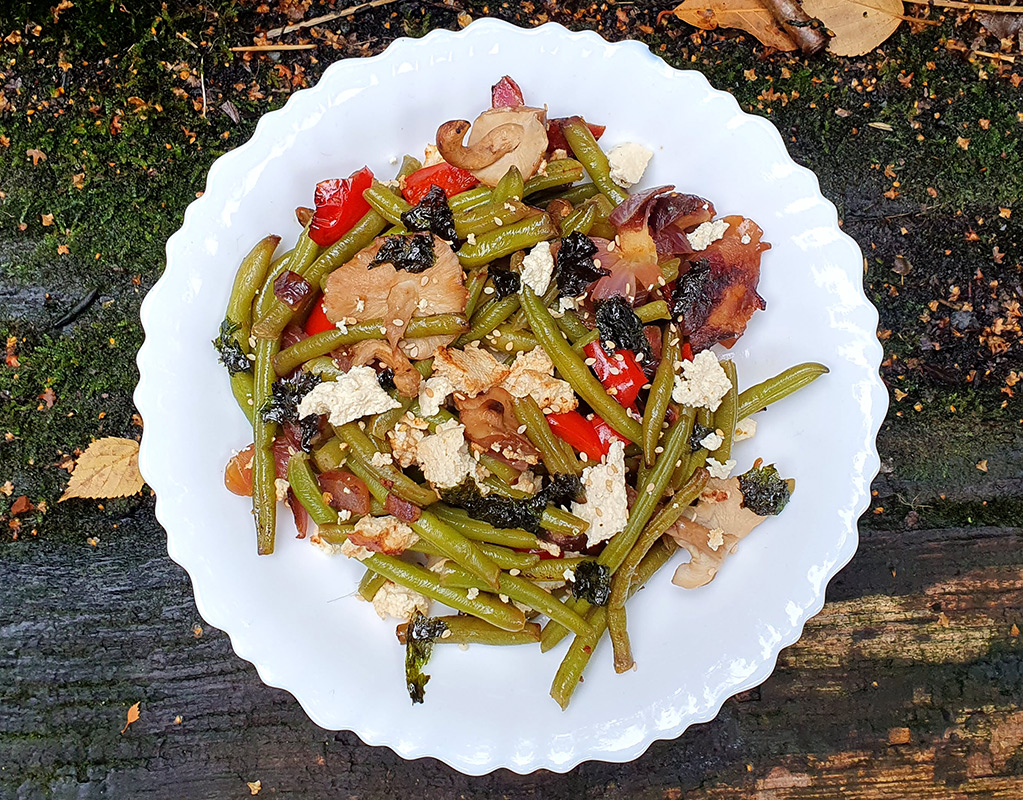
[[113, 97]]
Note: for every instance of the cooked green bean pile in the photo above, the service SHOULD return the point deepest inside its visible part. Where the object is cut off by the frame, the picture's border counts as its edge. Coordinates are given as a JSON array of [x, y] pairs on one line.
[[490, 381]]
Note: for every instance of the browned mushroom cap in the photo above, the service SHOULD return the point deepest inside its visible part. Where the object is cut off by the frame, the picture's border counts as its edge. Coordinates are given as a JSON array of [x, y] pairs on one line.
[[500, 138]]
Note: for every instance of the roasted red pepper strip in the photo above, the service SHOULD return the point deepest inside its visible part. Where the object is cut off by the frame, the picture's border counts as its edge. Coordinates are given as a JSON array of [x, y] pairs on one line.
[[449, 178], [339, 205], [606, 434], [317, 322], [574, 428], [506, 94], [556, 139], [620, 373], [687, 351]]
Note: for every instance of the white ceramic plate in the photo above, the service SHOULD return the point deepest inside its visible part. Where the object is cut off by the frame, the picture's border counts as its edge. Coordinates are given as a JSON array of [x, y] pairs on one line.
[[294, 615]]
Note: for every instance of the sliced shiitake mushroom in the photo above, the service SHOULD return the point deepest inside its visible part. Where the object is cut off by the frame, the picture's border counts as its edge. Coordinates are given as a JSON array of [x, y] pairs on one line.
[[499, 139]]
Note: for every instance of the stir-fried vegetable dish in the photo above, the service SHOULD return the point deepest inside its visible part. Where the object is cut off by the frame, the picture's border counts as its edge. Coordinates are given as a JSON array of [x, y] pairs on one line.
[[490, 380]]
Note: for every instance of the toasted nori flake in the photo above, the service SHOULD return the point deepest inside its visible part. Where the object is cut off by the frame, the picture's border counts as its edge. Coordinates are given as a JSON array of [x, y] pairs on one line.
[[286, 394], [386, 379], [504, 512], [410, 253], [592, 583], [432, 214], [229, 350], [764, 492], [574, 269], [700, 432], [690, 302], [309, 427], [420, 635], [618, 323], [506, 282]]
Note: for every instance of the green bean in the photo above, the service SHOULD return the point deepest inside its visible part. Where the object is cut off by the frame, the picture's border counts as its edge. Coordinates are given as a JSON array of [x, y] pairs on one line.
[[586, 149], [781, 385], [474, 284], [602, 226], [241, 388], [369, 476], [572, 326], [470, 630], [273, 315], [580, 344], [510, 187], [657, 309], [557, 520], [264, 489], [727, 415], [668, 516], [470, 198], [690, 463], [539, 432], [506, 240], [519, 320], [457, 547], [307, 490], [573, 369], [502, 615], [395, 230], [386, 203], [553, 569], [493, 215], [488, 318], [425, 366], [335, 533], [524, 591], [570, 672], [322, 343], [580, 220], [370, 584], [330, 455], [323, 367], [660, 394], [512, 341], [250, 277], [504, 489], [483, 531], [669, 269], [381, 423], [409, 164], [560, 172], [504, 557], [578, 194], [402, 485]]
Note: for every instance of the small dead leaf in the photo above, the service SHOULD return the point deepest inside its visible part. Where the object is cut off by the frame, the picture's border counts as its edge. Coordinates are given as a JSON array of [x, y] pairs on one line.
[[464, 19], [900, 395], [254, 786], [1005, 213], [21, 506], [231, 110], [982, 465], [1003, 26], [899, 736], [881, 126], [108, 468], [902, 266], [843, 113], [943, 619], [11, 352], [63, 249], [35, 155], [133, 716], [48, 397], [7, 489], [1014, 630], [5, 141], [858, 26], [78, 180], [47, 220], [963, 142], [751, 16]]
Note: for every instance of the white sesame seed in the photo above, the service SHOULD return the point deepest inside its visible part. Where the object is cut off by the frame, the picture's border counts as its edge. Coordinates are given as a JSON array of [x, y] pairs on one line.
[[488, 290]]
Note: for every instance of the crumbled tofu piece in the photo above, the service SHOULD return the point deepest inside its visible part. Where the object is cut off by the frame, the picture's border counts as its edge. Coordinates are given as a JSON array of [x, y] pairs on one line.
[[702, 384], [444, 456], [470, 371], [352, 396], [432, 394], [326, 547], [281, 487], [382, 535], [550, 547], [527, 482], [532, 373], [470, 239], [340, 325], [568, 575], [607, 507], [712, 441], [381, 460], [707, 233], [715, 538], [356, 551], [559, 154], [403, 438], [719, 470], [537, 268], [746, 429], [628, 162], [431, 156], [472, 592], [568, 304], [392, 600]]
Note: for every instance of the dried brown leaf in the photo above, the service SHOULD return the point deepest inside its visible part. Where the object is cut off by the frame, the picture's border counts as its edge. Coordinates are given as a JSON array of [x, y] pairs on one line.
[[902, 265], [133, 716], [108, 468], [35, 155], [21, 506], [751, 16], [858, 25], [1003, 26]]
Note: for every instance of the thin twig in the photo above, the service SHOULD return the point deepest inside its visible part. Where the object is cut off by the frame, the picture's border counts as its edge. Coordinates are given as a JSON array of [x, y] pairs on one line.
[[308, 23], [184, 38], [269, 48], [996, 56], [967, 6], [202, 80]]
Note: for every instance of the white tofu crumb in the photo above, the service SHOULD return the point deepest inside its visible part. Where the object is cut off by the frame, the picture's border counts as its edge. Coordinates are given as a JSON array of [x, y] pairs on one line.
[[388, 534], [715, 538], [431, 155], [356, 551], [432, 394], [628, 162], [444, 455], [537, 268], [470, 239], [707, 233], [569, 575], [472, 593], [503, 598], [340, 325], [550, 547], [532, 373], [559, 154], [326, 547], [403, 438], [607, 507], [527, 482], [392, 600], [568, 304], [712, 441], [281, 487], [719, 470], [702, 384], [381, 460], [352, 396], [745, 429]]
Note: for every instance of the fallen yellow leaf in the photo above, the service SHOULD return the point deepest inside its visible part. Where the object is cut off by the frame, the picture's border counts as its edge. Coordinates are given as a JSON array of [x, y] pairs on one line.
[[108, 468], [858, 26], [254, 786], [982, 465], [751, 16], [47, 220], [963, 143], [133, 716]]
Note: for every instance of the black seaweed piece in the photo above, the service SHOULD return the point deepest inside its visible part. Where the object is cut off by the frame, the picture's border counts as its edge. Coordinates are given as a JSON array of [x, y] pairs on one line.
[[764, 492], [308, 428], [574, 269], [386, 379], [432, 214], [420, 635], [592, 583], [618, 323], [286, 394], [410, 253], [700, 432], [506, 282], [229, 351], [504, 512], [691, 302], [562, 489]]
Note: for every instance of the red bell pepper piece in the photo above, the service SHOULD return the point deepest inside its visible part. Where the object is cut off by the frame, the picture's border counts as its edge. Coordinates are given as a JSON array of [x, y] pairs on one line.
[[574, 428], [318, 322], [556, 139], [339, 205], [687, 351], [620, 373], [606, 434], [449, 178], [505, 94]]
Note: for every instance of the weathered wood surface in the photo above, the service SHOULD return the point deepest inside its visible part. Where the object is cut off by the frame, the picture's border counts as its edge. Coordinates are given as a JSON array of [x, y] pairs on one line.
[[908, 685]]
